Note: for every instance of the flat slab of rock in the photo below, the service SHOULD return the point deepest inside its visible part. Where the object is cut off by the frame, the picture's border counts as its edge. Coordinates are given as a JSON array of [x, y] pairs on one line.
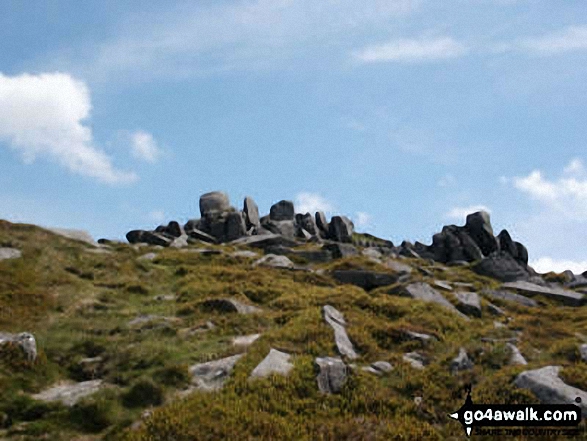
[[379, 368], [229, 305], [415, 359], [213, 374], [424, 292], [274, 261], [510, 297], [549, 388], [80, 235], [9, 253], [332, 375], [583, 352], [276, 362], [245, 340], [468, 303], [365, 279], [442, 285], [246, 254], [264, 241], [565, 296], [425, 339], [501, 266], [335, 319], [516, 357], [70, 393]]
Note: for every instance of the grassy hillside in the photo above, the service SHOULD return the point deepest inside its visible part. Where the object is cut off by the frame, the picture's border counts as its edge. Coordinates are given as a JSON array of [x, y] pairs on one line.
[[82, 304]]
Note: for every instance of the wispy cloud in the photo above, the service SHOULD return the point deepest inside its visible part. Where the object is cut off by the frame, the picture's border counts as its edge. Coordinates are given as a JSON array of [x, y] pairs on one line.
[[362, 219], [312, 202], [156, 216], [460, 213], [44, 116], [412, 50], [144, 146], [547, 264], [571, 38]]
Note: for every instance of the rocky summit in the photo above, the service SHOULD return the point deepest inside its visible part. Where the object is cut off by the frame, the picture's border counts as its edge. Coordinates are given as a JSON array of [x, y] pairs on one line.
[[277, 326]]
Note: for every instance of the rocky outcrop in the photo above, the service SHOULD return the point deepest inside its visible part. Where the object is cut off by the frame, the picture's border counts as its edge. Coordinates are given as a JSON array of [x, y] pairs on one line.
[[341, 229], [251, 213], [468, 303], [501, 266], [510, 297], [282, 211], [276, 362]]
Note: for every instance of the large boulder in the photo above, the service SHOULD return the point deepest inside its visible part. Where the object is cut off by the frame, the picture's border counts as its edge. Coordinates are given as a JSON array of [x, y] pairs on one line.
[[340, 229], [251, 212], [282, 211], [215, 201], [501, 266], [478, 225], [274, 261], [334, 318], [276, 362], [510, 297], [321, 222], [234, 226], [549, 388], [265, 241], [424, 292], [285, 228], [507, 244], [307, 222], [468, 303]]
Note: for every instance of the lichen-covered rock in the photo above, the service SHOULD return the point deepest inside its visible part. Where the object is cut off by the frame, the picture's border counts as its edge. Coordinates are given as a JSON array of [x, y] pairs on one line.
[[332, 375], [276, 362]]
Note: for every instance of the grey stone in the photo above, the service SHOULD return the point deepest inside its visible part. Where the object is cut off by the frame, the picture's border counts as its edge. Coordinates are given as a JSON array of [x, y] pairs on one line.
[[507, 244], [180, 242], [200, 235], [25, 340], [321, 222], [276, 362], [229, 305], [424, 292], [463, 285], [583, 352], [365, 279], [495, 310], [79, 235], [501, 266], [264, 241], [461, 362], [308, 223], [341, 250], [70, 393], [251, 212], [468, 303], [511, 297], [417, 336], [471, 250], [567, 297], [340, 229], [478, 225], [516, 357], [335, 319], [282, 211], [442, 284], [149, 237], [174, 229], [333, 374], [414, 359], [234, 227], [378, 368], [548, 387], [245, 254], [314, 255], [213, 374], [274, 261], [398, 267], [9, 253], [215, 201], [372, 253], [245, 340], [285, 228], [135, 236]]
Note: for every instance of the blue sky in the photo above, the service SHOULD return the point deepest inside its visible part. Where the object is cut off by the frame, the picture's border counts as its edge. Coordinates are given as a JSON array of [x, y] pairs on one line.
[[403, 114]]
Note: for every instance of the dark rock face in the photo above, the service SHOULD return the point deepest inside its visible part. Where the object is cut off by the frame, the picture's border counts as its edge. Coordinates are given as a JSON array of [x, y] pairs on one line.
[[332, 374], [234, 226], [340, 229], [308, 223], [478, 226], [341, 250], [507, 244], [510, 297], [564, 296], [501, 266], [282, 211], [134, 236], [215, 201], [321, 222], [251, 213], [365, 279]]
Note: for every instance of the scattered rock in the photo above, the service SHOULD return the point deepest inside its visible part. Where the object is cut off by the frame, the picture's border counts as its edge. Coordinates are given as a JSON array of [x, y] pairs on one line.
[[372, 253], [461, 362], [197, 234], [516, 357], [365, 279], [379, 368], [229, 305], [25, 340], [9, 253], [463, 285], [274, 261], [511, 297], [335, 319], [548, 387], [264, 241], [416, 360], [478, 225], [424, 292], [321, 222], [245, 340], [276, 362], [234, 226], [70, 393], [468, 303], [180, 242], [398, 267], [148, 256], [213, 374], [565, 296], [332, 376]]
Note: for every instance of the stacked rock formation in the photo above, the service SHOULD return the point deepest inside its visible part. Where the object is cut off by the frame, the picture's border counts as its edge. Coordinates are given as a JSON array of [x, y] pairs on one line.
[[220, 222]]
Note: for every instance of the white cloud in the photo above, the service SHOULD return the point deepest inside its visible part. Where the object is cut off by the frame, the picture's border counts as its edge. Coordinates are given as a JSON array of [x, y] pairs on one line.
[[312, 202], [362, 219], [44, 115], [566, 195], [547, 264], [144, 146], [405, 50], [575, 168], [460, 213], [157, 216], [569, 39], [447, 180]]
